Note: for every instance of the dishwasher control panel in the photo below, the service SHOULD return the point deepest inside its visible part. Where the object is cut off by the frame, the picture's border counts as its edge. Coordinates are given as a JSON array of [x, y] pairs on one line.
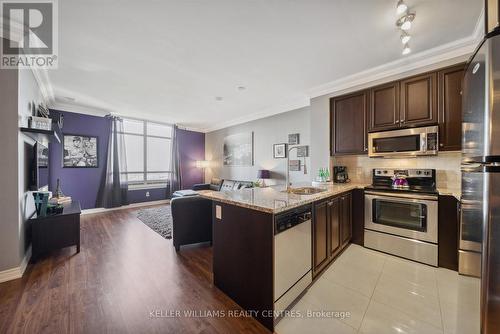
[[291, 218]]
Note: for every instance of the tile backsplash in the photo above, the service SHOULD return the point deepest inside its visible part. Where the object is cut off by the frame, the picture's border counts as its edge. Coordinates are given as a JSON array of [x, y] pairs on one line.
[[446, 164]]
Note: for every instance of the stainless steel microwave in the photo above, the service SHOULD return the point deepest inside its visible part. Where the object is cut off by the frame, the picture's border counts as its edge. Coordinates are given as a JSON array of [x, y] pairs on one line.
[[405, 142]]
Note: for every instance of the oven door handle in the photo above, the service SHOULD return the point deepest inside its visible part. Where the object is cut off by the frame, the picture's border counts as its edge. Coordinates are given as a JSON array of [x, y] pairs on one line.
[[409, 196]]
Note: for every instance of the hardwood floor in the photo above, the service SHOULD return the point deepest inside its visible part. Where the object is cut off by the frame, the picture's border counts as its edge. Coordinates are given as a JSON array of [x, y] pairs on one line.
[[124, 272]]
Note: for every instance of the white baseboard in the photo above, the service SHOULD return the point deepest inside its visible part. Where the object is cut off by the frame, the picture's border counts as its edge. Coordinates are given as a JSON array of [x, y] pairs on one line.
[[130, 206], [16, 272]]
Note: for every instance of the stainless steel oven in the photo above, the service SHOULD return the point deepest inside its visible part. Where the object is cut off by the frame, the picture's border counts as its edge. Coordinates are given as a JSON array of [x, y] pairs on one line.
[[406, 142], [403, 224], [409, 215]]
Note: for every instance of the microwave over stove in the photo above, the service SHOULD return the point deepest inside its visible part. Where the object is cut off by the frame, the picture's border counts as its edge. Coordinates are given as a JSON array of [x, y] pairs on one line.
[[406, 142]]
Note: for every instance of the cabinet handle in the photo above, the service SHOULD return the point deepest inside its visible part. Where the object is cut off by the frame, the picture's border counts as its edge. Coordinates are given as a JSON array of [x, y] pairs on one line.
[[441, 144], [396, 121]]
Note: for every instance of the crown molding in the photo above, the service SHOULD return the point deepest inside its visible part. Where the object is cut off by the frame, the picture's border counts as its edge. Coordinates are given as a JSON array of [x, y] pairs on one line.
[[42, 78], [296, 103], [448, 54], [78, 109]]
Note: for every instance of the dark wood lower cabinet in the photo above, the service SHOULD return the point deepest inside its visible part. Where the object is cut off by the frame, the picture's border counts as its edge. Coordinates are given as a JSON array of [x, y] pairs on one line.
[[346, 218], [242, 252], [334, 225], [332, 229], [448, 229], [358, 217], [320, 235]]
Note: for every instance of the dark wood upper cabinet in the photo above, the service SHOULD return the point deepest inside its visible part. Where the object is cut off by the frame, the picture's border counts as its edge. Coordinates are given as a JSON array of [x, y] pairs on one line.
[[346, 218], [384, 107], [320, 235], [334, 207], [422, 100], [450, 108], [418, 102], [348, 128]]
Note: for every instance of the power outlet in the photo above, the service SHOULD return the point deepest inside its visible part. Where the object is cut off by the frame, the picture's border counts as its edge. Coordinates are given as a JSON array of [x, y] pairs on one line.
[[147, 193]]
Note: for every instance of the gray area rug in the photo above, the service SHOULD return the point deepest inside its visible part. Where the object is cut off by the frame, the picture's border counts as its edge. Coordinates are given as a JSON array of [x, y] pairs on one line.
[[158, 219]]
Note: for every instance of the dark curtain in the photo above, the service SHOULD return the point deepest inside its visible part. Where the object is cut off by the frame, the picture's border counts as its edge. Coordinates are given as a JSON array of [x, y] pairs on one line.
[[175, 182], [114, 184]]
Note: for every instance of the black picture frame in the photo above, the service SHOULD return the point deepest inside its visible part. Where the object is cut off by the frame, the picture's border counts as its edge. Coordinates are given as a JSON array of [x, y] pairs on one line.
[[294, 139], [277, 154], [85, 158]]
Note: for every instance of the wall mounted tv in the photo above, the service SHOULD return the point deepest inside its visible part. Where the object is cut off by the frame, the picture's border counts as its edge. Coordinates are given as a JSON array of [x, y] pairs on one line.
[[40, 168]]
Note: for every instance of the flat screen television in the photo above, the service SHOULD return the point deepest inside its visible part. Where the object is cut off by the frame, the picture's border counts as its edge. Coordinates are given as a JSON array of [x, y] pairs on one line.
[[39, 168]]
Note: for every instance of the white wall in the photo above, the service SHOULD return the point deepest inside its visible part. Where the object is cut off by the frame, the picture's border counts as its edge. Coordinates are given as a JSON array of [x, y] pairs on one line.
[[29, 92], [267, 131], [17, 89], [9, 221]]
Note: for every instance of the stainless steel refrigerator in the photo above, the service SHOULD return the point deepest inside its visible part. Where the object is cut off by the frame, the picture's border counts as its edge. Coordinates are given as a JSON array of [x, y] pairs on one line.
[[479, 253]]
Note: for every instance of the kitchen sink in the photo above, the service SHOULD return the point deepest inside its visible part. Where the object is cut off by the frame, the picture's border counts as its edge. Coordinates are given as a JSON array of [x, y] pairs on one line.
[[304, 190]]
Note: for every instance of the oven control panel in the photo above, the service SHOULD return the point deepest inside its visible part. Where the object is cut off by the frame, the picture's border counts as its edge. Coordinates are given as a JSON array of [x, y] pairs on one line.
[[404, 172]]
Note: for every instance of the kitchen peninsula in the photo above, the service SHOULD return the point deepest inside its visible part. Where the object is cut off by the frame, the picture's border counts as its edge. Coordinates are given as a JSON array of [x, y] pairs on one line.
[[269, 244]]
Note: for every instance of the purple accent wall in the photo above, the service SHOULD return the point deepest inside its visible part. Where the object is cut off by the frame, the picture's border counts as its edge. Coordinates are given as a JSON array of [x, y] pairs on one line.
[[83, 183], [191, 148], [80, 183]]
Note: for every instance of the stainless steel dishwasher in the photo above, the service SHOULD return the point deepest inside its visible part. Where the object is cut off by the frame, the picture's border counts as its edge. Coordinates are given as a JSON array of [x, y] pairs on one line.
[[292, 255]]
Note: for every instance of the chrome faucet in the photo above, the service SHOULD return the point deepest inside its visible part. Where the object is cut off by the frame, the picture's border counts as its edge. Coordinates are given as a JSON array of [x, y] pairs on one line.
[[288, 184]]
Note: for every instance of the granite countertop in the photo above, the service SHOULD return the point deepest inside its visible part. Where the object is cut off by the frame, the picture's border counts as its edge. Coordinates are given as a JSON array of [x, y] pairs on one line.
[[273, 199]]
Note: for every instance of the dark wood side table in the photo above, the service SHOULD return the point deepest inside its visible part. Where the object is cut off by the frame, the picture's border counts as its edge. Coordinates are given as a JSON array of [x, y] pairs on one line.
[[56, 231]]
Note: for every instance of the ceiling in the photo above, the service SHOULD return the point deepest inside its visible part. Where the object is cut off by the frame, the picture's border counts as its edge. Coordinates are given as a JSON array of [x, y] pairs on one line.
[[169, 60]]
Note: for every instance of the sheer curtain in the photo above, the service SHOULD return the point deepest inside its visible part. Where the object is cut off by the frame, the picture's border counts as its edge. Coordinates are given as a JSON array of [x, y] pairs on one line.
[[114, 184], [175, 181]]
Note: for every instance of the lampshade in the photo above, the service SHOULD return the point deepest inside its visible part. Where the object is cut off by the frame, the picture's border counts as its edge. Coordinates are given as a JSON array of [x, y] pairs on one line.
[[202, 163], [263, 174]]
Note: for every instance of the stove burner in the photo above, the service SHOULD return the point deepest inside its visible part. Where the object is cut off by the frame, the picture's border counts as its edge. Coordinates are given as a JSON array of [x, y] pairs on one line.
[[419, 180]]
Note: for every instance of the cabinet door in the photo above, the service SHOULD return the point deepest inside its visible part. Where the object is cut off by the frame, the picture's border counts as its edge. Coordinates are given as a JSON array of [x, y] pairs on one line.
[[418, 105], [450, 108], [346, 219], [448, 232], [348, 124], [320, 236], [384, 107], [335, 217]]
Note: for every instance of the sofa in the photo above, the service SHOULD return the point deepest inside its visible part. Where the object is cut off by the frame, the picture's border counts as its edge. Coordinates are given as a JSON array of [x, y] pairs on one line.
[[191, 220], [223, 185], [192, 214]]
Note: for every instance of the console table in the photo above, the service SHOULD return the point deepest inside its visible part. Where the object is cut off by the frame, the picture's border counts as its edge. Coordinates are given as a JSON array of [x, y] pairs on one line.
[[56, 231]]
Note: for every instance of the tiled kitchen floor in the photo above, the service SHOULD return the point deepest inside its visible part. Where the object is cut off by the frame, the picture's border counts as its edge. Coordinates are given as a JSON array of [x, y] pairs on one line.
[[386, 294]]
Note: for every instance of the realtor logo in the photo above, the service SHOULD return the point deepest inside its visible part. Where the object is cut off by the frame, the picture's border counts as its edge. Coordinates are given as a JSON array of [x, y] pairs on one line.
[[29, 34]]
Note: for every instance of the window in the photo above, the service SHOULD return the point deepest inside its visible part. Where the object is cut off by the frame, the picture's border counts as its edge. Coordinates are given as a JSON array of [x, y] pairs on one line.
[[148, 146]]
